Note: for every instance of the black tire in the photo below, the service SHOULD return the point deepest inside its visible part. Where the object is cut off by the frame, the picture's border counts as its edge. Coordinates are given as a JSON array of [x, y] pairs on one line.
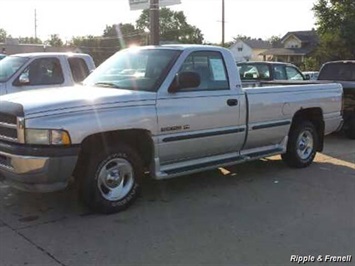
[[302, 145], [350, 130], [112, 179]]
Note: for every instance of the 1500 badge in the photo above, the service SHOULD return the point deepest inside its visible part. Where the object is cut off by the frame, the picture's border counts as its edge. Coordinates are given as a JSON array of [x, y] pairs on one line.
[[175, 128]]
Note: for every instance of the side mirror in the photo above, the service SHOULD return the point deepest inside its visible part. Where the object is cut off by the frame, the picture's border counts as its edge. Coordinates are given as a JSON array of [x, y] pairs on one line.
[[307, 77], [185, 80], [23, 79]]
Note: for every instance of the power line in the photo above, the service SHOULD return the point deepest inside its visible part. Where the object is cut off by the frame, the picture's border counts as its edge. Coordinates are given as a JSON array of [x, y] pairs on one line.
[[102, 49], [35, 24], [223, 22], [110, 37]]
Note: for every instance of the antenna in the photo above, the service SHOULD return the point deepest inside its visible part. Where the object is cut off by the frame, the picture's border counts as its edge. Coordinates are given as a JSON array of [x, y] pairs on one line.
[[223, 21], [35, 24]]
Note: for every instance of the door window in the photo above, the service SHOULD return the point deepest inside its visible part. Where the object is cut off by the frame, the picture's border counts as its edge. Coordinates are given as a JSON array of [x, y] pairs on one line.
[[43, 71], [279, 73], [293, 73], [211, 68]]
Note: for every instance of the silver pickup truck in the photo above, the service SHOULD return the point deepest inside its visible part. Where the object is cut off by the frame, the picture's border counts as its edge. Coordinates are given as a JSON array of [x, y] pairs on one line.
[[164, 110]]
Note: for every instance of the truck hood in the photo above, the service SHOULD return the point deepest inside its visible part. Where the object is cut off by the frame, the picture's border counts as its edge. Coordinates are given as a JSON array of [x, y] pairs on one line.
[[74, 98]]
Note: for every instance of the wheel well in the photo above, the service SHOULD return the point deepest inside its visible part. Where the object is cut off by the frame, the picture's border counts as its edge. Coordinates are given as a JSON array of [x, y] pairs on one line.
[[315, 116], [138, 139]]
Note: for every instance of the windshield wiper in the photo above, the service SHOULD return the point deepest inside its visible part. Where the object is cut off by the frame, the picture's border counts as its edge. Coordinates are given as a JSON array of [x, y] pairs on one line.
[[107, 84]]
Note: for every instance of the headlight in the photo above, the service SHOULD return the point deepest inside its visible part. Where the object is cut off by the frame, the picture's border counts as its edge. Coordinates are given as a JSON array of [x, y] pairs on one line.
[[47, 136]]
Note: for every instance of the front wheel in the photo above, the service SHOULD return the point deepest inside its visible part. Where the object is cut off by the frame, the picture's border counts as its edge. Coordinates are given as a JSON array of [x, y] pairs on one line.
[[302, 145], [112, 180]]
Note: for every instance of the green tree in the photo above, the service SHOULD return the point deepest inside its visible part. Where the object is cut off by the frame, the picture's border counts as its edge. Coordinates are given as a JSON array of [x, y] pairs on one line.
[[3, 35], [55, 41], [29, 40], [90, 45], [124, 35], [173, 27], [120, 29], [275, 40], [99, 47], [114, 38], [226, 44], [241, 37], [310, 64], [335, 20]]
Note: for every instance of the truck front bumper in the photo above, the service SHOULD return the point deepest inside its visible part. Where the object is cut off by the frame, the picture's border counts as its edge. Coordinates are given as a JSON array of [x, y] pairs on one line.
[[37, 168]]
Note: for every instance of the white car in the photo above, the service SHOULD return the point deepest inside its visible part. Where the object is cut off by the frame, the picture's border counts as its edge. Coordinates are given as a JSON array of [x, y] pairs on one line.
[[310, 75]]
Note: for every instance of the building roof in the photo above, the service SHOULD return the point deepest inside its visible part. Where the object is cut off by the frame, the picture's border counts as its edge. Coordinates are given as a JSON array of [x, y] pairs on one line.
[[287, 51], [264, 63], [309, 36], [257, 43], [254, 43]]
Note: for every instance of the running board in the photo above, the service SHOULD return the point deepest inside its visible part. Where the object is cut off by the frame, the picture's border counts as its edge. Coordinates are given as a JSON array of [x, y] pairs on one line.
[[262, 154], [194, 168], [205, 165]]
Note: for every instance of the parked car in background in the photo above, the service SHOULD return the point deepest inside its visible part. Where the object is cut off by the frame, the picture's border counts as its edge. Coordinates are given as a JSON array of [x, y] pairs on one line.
[[253, 73], [310, 75], [343, 72], [30, 71]]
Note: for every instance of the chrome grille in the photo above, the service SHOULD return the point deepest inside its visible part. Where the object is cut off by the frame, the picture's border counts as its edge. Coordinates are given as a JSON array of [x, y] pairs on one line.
[[8, 132], [8, 127], [5, 161], [8, 119]]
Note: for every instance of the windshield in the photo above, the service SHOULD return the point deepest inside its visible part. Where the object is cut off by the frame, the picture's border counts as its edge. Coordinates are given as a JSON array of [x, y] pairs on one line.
[[134, 69], [342, 71], [9, 65]]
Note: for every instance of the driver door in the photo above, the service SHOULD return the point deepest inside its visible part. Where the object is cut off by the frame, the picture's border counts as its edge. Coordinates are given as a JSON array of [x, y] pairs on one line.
[[40, 73], [200, 122]]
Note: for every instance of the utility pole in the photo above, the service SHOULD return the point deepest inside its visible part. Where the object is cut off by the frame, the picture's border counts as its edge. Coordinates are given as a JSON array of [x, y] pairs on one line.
[[223, 22], [35, 24], [154, 22]]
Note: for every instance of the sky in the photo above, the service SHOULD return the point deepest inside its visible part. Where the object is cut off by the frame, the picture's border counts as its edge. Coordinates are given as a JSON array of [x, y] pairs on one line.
[[68, 18]]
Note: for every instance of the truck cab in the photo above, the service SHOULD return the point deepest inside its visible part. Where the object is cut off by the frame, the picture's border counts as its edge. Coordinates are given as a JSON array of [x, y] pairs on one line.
[[343, 72], [28, 71]]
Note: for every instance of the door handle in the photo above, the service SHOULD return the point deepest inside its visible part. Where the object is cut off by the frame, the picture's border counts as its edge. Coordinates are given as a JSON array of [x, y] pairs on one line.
[[232, 102]]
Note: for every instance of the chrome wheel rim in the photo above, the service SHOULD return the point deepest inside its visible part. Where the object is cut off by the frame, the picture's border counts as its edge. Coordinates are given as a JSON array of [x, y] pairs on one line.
[[305, 145], [115, 179]]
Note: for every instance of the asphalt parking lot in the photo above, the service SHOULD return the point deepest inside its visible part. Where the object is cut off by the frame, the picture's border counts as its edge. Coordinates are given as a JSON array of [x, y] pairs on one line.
[[258, 213]]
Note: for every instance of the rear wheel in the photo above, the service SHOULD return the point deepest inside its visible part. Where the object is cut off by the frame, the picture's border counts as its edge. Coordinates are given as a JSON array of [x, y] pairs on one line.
[[112, 179], [302, 145]]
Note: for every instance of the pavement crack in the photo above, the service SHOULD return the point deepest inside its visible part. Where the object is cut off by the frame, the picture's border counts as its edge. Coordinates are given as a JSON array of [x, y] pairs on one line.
[[43, 223], [32, 243]]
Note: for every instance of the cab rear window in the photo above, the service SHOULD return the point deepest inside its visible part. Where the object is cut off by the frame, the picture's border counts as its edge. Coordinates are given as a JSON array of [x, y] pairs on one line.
[[78, 68], [342, 71]]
